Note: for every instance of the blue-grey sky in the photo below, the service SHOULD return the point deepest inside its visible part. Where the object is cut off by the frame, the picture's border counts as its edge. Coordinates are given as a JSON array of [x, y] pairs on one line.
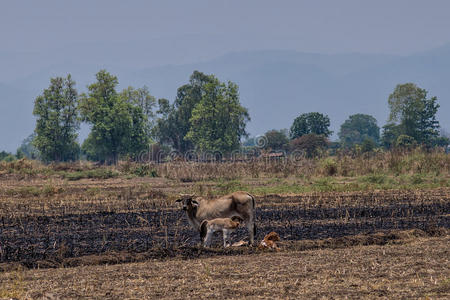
[[207, 27]]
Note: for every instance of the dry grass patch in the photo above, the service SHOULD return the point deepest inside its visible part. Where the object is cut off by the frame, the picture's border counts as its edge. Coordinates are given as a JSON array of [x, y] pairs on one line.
[[418, 269]]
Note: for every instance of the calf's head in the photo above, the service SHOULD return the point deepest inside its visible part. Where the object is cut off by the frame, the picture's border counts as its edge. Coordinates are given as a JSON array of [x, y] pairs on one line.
[[237, 219]]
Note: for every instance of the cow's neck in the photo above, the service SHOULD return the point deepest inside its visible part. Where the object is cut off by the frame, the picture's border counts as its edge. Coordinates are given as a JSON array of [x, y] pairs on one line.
[[192, 218]]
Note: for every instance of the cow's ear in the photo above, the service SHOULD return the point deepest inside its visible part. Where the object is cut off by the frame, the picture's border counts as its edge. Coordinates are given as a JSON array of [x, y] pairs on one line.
[[179, 200], [195, 202]]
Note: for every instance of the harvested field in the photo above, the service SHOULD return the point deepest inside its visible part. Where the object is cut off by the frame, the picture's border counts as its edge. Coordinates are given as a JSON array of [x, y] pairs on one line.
[[145, 222], [81, 228], [415, 268]]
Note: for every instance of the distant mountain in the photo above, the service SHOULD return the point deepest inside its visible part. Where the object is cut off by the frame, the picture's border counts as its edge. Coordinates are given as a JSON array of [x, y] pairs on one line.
[[276, 86]]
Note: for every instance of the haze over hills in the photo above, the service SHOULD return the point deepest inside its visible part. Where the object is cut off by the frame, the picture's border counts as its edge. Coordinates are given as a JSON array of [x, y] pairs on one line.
[[275, 85]]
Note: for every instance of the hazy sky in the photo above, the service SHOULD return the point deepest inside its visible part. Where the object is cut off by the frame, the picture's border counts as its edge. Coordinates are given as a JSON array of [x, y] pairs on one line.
[[43, 38], [382, 26]]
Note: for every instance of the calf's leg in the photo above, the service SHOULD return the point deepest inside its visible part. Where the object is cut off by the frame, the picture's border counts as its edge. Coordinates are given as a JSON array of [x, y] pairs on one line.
[[208, 238], [226, 238]]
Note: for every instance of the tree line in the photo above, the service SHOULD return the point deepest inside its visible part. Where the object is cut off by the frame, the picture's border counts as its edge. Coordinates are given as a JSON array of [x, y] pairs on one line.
[[412, 122], [206, 115]]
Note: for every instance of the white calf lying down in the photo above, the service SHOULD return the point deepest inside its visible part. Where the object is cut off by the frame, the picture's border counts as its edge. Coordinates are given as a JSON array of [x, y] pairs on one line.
[[226, 225]]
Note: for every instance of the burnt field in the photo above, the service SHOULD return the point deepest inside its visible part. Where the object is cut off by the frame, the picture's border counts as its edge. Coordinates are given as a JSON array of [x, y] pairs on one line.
[[157, 228]]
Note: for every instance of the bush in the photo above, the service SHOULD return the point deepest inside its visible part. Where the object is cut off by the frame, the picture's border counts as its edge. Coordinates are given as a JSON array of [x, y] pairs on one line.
[[136, 169], [96, 173], [405, 141], [417, 179], [375, 178], [145, 170], [22, 166], [368, 145], [312, 145], [329, 166]]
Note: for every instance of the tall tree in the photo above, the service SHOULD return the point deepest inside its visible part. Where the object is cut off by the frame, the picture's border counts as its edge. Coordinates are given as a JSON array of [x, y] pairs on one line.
[[310, 123], [175, 121], [57, 121], [118, 125], [412, 114], [218, 120], [141, 98], [358, 128], [164, 129]]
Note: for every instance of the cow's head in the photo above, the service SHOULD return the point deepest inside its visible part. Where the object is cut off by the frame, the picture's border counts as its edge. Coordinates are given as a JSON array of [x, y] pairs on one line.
[[188, 201]]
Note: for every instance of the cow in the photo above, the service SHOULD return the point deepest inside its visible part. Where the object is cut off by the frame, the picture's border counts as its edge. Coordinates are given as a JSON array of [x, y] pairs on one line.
[[241, 204]]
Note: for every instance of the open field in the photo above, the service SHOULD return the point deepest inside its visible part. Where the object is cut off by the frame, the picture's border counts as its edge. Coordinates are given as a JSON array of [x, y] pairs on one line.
[[76, 235], [415, 268]]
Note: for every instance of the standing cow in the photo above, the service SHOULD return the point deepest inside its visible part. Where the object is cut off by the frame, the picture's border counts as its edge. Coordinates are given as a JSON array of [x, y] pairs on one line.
[[240, 204]]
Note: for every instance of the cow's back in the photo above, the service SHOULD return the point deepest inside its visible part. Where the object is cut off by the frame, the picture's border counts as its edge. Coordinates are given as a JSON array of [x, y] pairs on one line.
[[237, 203]]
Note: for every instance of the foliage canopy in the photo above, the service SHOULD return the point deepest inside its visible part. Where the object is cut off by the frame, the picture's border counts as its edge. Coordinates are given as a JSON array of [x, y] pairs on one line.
[[358, 128], [310, 123], [57, 121], [411, 114], [119, 126]]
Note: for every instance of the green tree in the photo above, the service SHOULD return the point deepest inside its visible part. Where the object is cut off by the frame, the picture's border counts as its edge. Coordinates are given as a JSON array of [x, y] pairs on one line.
[[175, 121], [443, 140], [390, 134], [6, 156], [57, 121], [358, 128], [141, 98], [276, 139], [118, 123], [28, 149], [165, 129], [310, 123], [218, 120], [412, 114]]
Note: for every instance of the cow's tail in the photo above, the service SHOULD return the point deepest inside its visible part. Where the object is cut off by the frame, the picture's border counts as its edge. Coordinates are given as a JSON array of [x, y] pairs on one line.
[[254, 213], [253, 200], [203, 230]]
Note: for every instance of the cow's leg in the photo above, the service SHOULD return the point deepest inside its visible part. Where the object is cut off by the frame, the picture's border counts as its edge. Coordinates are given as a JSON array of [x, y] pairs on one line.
[[251, 230]]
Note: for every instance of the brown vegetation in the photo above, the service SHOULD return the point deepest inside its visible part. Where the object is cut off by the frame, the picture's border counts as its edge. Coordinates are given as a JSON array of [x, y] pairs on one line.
[[394, 162]]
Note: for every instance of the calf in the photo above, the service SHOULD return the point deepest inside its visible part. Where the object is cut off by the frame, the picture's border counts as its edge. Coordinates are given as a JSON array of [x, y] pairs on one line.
[[226, 225], [269, 241]]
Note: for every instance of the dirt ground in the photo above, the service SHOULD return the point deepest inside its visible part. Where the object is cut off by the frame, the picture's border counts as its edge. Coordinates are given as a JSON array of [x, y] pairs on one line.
[[416, 268], [127, 239]]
